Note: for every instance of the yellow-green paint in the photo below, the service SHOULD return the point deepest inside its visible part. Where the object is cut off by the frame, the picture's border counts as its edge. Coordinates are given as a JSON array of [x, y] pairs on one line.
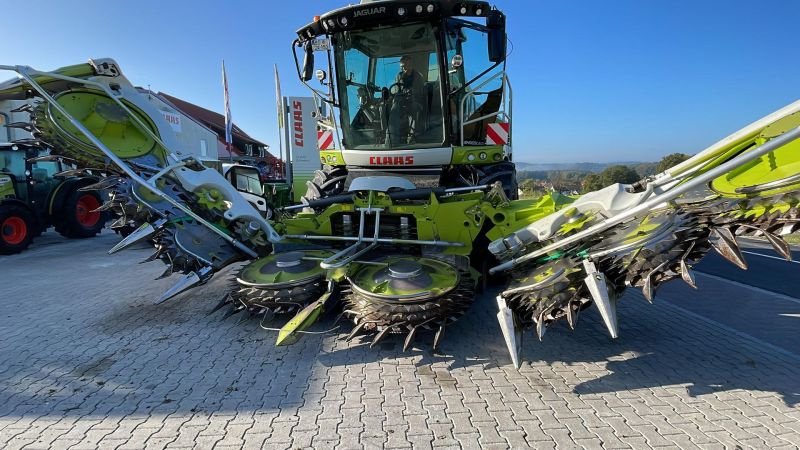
[[6, 187], [488, 154], [459, 218], [782, 163], [520, 213], [108, 121], [331, 157]]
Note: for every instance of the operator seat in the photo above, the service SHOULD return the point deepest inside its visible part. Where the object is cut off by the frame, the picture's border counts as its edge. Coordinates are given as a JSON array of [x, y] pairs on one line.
[[476, 131]]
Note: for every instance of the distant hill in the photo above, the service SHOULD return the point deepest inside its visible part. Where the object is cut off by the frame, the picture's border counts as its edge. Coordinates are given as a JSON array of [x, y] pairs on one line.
[[578, 167]]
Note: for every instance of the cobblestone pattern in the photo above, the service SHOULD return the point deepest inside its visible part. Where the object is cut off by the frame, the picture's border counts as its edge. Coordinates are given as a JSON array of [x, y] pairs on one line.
[[87, 361]]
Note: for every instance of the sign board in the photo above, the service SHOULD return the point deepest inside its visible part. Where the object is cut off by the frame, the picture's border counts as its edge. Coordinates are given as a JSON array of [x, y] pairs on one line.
[[303, 142], [174, 120], [320, 45]]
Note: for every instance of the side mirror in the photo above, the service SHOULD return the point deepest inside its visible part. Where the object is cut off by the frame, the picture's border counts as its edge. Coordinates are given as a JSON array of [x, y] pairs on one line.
[[308, 62], [496, 22]]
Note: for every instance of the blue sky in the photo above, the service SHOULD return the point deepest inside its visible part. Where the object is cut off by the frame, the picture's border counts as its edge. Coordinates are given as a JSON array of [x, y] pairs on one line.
[[622, 80]]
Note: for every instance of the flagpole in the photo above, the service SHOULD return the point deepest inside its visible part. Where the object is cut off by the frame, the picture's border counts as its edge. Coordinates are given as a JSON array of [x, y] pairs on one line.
[[228, 120], [281, 116]]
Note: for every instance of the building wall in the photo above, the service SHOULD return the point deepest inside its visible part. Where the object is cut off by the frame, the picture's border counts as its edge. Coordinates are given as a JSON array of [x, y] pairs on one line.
[[194, 138]]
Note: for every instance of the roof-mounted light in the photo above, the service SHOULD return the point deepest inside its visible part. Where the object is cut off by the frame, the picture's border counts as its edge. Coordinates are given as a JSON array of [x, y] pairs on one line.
[[401, 11], [430, 8], [343, 21], [419, 9]]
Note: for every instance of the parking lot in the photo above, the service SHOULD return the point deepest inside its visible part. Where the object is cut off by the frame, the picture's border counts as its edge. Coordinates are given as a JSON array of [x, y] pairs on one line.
[[87, 360]]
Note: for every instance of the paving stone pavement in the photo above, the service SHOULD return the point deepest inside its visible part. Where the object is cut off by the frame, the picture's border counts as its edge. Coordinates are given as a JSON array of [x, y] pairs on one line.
[[87, 361]]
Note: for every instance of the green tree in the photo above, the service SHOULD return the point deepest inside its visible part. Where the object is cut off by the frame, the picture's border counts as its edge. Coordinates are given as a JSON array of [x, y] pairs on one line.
[[618, 174], [591, 182], [527, 185], [671, 160]]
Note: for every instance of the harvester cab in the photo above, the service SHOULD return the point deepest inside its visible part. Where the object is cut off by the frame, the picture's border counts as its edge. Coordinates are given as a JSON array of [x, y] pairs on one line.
[[420, 88]]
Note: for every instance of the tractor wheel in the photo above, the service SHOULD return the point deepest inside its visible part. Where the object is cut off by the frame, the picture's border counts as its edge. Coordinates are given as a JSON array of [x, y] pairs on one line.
[[17, 226], [78, 216], [326, 182], [504, 172]]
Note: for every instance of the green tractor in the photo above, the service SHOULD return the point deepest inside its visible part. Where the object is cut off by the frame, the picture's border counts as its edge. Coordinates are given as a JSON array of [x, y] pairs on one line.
[[37, 192]]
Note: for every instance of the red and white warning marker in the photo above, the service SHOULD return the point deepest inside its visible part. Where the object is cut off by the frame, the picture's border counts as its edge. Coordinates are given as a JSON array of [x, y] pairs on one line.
[[325, 140], [497, 133]]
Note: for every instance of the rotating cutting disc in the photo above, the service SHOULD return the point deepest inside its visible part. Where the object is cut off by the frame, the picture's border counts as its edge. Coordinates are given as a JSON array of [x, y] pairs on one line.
[[405, 278], [283, 269]]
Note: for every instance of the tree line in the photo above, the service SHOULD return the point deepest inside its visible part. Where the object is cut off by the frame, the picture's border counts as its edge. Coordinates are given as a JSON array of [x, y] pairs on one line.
[[538, 182]]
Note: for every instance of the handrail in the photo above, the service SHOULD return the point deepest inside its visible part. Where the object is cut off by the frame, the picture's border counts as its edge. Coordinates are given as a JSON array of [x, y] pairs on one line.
[[505, 108]]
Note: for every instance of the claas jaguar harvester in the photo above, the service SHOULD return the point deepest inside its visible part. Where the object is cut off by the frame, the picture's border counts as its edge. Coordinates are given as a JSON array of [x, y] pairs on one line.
[[417, 204]]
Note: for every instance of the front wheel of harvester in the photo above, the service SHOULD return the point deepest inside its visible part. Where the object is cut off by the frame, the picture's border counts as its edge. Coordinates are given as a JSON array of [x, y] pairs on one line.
[[78, 216], [505, 172], [17, 227], [327, 182]]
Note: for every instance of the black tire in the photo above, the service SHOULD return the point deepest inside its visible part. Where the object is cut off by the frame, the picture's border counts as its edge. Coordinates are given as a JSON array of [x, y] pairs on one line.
[[326, 182], [17, 228], [504, 172], [75, 218]]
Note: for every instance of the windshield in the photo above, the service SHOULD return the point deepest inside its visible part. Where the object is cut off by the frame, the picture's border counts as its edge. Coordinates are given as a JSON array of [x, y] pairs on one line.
[[389, 87]]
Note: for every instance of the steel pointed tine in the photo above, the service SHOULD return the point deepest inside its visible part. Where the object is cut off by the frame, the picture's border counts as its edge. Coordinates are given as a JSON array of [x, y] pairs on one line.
[[21, 125], [102, 184], [247, 316], [781, 246], [186, 282], [596, 283], [687, 275], [224, 301], [727, 247], [104, 207], [409, 338], [69, 173], [267, 316], [339, 318], [153, 257], [143, 232], [512, 333], [355, 331], [541, 329], [381, 334], [25, 107], [167, 273], [572, 316], [648, 289], [118, 223], [437, 338], [234, 309]]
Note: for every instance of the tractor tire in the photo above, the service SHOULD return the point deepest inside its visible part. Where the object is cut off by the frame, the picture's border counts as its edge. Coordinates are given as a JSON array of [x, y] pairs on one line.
[[17, 229], [504, 172], [77, 219], [326, 182]]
